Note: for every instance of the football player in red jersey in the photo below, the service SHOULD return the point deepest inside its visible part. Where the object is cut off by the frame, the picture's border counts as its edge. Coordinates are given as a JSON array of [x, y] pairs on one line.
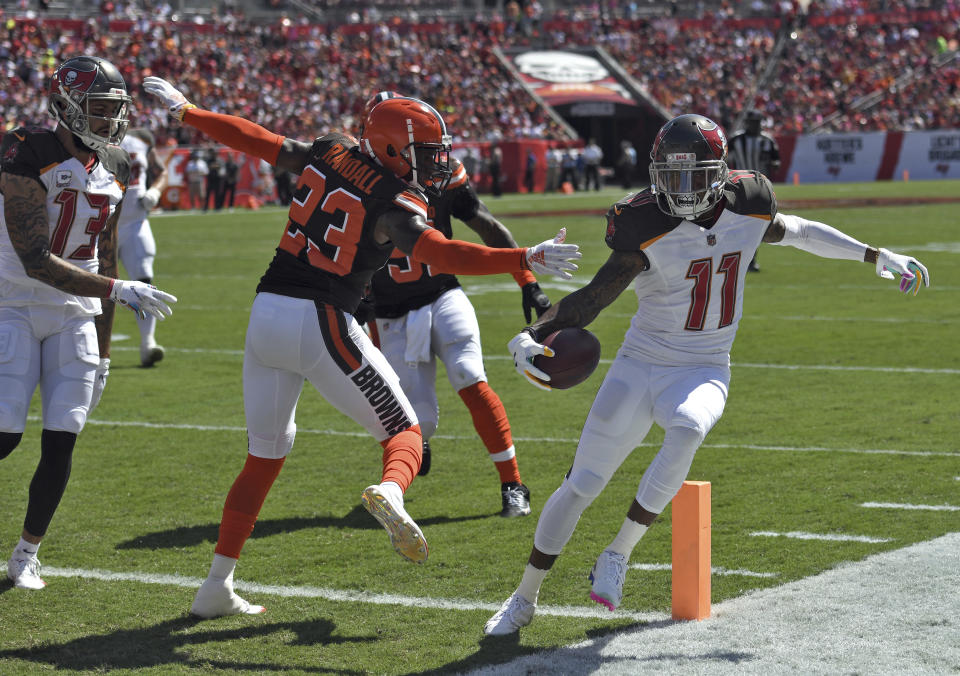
[[692, 232], [353, 204], [60, 193], [422, 315]]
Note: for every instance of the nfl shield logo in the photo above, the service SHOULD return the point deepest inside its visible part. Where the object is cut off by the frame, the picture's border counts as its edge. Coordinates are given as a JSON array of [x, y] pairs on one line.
[[711, 239]]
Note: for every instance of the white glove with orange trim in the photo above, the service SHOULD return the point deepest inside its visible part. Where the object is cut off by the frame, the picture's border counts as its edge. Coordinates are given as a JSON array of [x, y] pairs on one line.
[[524, 348], [170, 96], [553, 257]]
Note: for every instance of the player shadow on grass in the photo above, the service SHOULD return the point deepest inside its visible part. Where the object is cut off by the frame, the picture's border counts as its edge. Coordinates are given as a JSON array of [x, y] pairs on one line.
[[496, 651], [187, 536], [168, 643]]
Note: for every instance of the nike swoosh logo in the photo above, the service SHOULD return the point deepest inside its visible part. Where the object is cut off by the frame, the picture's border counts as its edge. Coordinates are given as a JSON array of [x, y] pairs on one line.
[[616, 210], [22, 138]]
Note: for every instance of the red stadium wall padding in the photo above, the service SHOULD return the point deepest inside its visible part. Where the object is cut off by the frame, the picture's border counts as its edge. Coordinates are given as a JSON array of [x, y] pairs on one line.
[[255, 182]]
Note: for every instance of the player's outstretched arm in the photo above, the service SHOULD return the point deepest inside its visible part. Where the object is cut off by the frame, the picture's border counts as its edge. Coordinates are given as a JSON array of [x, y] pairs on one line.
[[495, 234], [828, 242], [410, 233], [575, 310], [235, 132]]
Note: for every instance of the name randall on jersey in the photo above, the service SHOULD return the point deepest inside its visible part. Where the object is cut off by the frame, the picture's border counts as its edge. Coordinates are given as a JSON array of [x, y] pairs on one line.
[[354, 170]]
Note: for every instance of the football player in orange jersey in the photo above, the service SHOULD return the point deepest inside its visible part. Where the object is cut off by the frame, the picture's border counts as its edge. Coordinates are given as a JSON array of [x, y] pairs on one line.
[[60, 196], [684, 243], [423, 315], [353, 204]]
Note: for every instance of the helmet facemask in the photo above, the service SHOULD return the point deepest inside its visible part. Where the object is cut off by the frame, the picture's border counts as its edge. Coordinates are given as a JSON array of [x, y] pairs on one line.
[[430, 165], [687, 188]]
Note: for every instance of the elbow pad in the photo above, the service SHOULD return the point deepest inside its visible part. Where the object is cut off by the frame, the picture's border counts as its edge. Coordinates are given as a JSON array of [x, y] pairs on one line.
[[820, 239]]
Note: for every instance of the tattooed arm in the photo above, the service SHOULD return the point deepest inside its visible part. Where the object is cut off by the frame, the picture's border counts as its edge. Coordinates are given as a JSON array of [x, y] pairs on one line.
[[107, 253], [583, 305], [24, 209]]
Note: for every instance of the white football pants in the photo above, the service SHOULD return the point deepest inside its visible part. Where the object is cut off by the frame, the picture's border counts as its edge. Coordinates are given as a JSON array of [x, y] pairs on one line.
[[454, 338], [53, 347], [290, 340], [686, 401]]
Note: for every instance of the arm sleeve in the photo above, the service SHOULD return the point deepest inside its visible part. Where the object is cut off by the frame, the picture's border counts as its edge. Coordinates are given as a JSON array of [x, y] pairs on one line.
[[237, 133], [465, 258], [820, 239]]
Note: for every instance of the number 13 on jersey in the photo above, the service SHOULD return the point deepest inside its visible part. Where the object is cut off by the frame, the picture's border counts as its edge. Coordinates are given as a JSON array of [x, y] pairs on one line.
[[324, 227]]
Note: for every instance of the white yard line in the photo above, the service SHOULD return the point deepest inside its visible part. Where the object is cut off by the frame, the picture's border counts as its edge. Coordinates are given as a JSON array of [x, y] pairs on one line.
[[502, 357], [715, 570], [799, 535], [897, 505], [892, 613], [343, 595], [563, 440]]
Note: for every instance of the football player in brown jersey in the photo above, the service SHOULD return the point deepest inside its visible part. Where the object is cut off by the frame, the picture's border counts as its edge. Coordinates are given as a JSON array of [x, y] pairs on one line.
[[60, 196], [353, 205], [423, 315], [684, 243]]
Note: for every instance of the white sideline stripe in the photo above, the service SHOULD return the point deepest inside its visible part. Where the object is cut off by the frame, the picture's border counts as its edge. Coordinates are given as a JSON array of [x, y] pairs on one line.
[[564, 440], [715, 570], [500, 357], [799, 535], [347, 595], [898, 505]]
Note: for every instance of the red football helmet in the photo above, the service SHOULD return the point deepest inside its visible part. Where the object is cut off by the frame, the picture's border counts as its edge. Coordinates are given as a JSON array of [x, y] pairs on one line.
[[689, 166], [409, 137], [379, 97], [87, 88]]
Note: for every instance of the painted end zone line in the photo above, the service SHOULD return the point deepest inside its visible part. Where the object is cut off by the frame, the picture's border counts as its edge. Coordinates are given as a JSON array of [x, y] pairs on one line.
[[349, 596], [798, 535], [896, 505], [713, 569]]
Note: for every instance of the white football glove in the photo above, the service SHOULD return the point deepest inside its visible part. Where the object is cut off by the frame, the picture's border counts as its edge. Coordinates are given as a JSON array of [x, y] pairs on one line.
[[524, 348], [553, 257], [99, 382], [911, 271], [150, 199], [171, 97], [142, 298]]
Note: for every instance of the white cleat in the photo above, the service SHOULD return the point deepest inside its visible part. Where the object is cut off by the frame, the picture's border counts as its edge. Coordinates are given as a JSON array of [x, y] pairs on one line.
[[24, 570], [607, 577], [216, 598], [150, 354], [405, 535], [515, 612]]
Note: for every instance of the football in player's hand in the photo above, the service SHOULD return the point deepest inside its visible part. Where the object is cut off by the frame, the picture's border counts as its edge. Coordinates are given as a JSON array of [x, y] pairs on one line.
[[576, 353]]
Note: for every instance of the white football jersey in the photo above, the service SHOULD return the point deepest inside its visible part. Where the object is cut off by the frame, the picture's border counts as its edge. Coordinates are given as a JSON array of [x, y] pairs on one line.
[[690, 301], [137, 143], [79, 204]]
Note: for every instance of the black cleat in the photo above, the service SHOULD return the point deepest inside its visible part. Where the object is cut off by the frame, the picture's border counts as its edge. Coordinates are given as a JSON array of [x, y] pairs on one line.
[[516, 499], [425, 463]]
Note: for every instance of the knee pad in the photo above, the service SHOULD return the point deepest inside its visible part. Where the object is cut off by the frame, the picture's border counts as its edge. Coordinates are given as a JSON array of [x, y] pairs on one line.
[[585, 483], [272, 449]]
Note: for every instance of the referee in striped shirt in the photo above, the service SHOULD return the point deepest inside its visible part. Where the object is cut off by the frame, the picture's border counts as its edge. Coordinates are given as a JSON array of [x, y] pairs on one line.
[[750, 148]]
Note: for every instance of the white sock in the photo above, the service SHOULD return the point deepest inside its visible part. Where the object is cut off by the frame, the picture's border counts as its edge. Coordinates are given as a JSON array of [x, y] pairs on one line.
[[393, 492], [530, 584], [29, 548], [628, 537], [222, 567]]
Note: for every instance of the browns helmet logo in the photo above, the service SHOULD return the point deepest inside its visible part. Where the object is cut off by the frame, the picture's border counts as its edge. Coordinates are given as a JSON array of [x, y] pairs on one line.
[[716, 138]]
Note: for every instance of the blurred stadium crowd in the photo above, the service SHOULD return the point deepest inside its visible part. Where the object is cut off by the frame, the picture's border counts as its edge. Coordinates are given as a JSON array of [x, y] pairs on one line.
[[832, 65]]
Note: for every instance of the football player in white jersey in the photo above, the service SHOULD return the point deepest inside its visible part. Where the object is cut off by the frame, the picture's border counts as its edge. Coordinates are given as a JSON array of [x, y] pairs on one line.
[[135, 244], [685, 242], [60, 193]]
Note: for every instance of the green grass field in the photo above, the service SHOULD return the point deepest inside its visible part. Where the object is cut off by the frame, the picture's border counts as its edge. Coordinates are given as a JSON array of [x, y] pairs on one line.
[[844, 391]]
